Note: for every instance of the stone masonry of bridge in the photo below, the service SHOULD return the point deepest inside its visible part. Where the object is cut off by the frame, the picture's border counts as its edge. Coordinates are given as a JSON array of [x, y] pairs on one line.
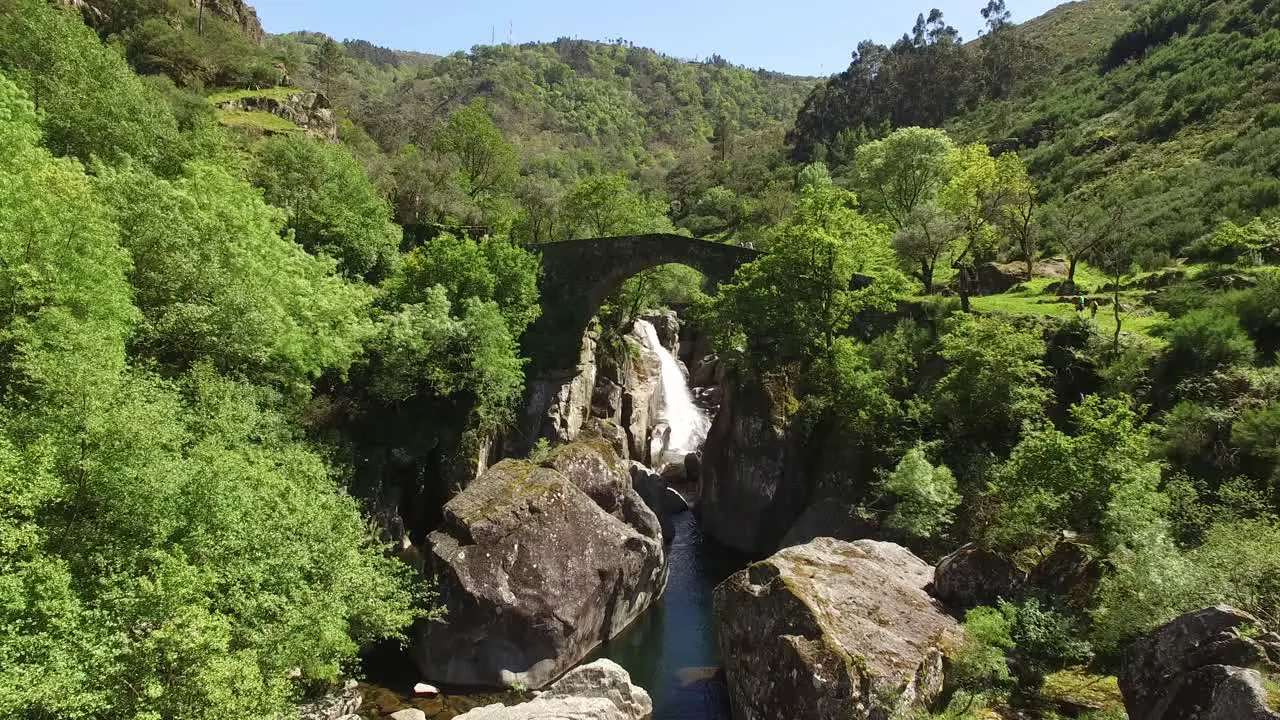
[[578, 275]]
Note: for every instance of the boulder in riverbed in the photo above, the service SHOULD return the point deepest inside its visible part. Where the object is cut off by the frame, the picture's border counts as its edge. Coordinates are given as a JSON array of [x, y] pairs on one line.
[[832, 629], [601, 690], [1201, 666], [534, 573]]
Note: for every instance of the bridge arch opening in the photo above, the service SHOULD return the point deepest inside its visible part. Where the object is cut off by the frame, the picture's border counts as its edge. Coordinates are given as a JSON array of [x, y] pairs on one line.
[[580, 275]]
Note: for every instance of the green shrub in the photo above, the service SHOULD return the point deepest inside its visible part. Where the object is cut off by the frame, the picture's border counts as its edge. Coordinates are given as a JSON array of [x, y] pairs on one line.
[[1206, 340]]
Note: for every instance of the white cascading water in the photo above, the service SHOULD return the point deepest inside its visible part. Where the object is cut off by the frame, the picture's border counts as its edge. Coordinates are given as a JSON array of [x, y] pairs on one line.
[[688, 422]]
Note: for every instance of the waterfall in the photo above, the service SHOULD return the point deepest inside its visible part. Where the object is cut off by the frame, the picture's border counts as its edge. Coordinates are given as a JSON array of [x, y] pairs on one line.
[[688, 422]]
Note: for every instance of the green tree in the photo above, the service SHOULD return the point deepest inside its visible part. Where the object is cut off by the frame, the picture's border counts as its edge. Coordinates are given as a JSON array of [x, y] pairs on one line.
[[92, 102], [900, 178], [606, 206], [332, 206], [327, 62], [792, 303], [977, 190], [217, 283], [487, 163], [902, 172], [183, 568], [1098, 482], [65, 295], [993, 380], [1205, 340], [924, 495]]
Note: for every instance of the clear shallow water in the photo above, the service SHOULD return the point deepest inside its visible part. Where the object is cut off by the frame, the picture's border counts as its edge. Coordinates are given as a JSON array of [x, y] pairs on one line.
[[671, 650]]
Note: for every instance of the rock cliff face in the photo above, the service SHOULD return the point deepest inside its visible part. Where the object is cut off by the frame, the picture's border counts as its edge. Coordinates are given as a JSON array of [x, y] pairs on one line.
[[536, 567], [613, 386], [752, 489], [238, 12], [601, 690], [831, 630], [1201, 666], [308, 110]]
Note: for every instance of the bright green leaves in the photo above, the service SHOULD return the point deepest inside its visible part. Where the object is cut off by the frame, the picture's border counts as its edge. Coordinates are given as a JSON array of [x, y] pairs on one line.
[[458, 307], [217, 282], [332, 207], [606, 206], [487, 163], [92, 102], [993, 384], [904, 172], [1098, 482], [793, 302], [189, 563], [925, 495], [66, 305]]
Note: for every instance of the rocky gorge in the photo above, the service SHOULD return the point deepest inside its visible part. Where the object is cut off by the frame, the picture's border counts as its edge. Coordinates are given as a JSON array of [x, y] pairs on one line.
[[627, 570]]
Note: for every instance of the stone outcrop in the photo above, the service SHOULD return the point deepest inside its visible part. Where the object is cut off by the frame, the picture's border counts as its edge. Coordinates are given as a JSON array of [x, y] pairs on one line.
[[751, 487], [536, 568], [601, 690], [557, 404], [308, 110], [828, 517], [667, 325], [237, 12], [337, 706], [653, 490], [831, 629], [972, 576], [1201, 666], [1069, 576], [639, 374]]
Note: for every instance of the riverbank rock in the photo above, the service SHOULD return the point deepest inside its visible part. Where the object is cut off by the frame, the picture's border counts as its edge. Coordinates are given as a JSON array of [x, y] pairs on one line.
[[534, 573], [651, 488], [1201, 667], [601, 690], [558, 403], [331, 707], [831, 629], [828, 517], [751, 489], [972, 576]]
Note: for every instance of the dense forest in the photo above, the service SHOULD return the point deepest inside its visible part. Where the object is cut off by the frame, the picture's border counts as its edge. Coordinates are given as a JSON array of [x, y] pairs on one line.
[[227, 320]]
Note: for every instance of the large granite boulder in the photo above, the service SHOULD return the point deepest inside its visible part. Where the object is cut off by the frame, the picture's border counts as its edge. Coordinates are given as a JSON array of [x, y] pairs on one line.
[[534, 573], [601, 690], [594, 467], [972, 576], [1201, 666], [832, 629], [752, 486]]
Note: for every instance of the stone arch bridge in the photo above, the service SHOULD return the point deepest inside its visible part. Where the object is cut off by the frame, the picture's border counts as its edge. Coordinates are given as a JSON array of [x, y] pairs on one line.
[[578, 275]]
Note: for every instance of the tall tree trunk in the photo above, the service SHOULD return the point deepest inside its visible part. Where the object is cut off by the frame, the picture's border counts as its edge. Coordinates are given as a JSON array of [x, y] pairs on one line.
[[1071, 268], [964, 289], [926, 276]]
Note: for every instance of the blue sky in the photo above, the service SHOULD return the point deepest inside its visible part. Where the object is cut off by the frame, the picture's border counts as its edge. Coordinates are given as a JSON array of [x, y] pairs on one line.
[[805, 37]]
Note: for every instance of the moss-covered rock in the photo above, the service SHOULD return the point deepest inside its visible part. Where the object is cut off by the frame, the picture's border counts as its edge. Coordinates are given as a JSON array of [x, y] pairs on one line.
[[831, 629], [535, 573]]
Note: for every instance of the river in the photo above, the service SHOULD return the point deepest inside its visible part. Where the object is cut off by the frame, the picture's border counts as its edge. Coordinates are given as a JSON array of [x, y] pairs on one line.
[[671, 650]]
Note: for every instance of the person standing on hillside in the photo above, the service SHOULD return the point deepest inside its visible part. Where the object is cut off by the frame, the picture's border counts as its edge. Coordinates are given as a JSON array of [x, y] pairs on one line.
[[1093, 310], [1080, 303]]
